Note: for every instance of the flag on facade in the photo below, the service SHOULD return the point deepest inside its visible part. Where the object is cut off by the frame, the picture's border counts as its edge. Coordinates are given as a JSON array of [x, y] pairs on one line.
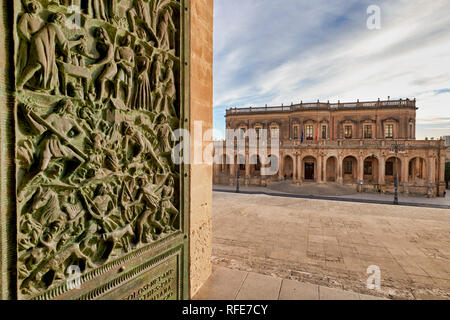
[[302, 136]]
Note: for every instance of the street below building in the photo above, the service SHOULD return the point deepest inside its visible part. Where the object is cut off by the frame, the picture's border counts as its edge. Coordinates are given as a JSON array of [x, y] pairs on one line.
[[333, 243]]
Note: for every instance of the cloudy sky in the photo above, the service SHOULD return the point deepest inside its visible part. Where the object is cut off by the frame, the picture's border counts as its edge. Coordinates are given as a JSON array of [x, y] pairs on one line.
[[283, 51]]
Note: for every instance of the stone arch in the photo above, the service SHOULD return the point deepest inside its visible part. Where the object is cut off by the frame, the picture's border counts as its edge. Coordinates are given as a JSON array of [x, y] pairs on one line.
[[266, 165], [309, 168], [417, 170], [225, 166], [350, 168], [288, 167], [255, 165], [239, 160], [331, 169], [370, 167], [391, 168]]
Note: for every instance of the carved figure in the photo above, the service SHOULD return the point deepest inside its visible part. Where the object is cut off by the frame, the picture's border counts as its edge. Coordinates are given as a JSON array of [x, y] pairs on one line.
[[125, 64], [168, 211], [42, 57], [106, 49], [103, 9], [56, 126], [139, 144], [106, 208], [143, 94], [156, 82], [141, 19], [165, 133], [29, 24], [147, 195], [50, 209], [169, 90], [165, 27]]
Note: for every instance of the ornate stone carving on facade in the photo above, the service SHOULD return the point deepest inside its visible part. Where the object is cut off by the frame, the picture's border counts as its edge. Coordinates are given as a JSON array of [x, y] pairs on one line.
[[95, 178]]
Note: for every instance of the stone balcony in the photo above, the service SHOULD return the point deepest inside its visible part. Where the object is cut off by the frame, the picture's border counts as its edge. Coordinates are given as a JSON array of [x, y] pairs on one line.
[[324, 106]]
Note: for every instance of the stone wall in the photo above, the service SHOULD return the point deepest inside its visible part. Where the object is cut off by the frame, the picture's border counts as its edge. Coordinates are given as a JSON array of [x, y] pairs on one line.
[[201, 83]]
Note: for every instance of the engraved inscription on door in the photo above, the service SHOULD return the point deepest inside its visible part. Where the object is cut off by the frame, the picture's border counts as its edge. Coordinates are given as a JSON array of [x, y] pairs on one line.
[[98, 98]]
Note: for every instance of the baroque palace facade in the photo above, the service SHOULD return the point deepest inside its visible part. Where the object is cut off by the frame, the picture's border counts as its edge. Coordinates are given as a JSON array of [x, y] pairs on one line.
[[344, 143]]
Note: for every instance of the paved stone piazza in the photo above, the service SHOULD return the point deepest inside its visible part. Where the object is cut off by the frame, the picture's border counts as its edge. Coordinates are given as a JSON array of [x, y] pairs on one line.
[[331, 244]]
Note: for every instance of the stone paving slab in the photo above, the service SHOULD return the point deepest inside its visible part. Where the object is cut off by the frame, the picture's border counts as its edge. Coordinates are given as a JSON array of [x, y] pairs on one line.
[[229, 285], [294, 290], [259, 287], [332, 244], [224, 284], [336, 294]]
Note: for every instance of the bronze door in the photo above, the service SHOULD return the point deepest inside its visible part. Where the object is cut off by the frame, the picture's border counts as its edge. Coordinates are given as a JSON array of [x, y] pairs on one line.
[[101, 210]]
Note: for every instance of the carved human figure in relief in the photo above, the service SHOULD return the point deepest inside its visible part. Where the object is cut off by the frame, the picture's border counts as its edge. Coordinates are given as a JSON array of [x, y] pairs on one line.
[[165, 28], [41, 64], [103, 9], [56, 124], [148, 196], [125, 64], [106, 49], [156, 82], [140, 19], [169, 90], [169, 212], [143, 95], [164, 133], [29, 24], [138, 145], [106, 207]]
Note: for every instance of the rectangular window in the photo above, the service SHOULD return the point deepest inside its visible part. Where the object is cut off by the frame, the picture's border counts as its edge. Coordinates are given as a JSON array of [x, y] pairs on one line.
[[368, 167], [367, 132], [389, 131], [309, 133], [258, 133], [324, 132], [411, 131], [348, 167], [241, 133], [296, 135], [274, 132], [389, 169], [348, 132]]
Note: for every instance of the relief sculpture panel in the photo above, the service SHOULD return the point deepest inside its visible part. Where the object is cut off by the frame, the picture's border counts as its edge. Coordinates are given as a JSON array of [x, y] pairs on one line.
[[98, 98]]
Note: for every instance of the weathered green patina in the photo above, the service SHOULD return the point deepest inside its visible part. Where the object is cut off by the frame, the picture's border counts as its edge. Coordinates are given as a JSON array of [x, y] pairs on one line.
[[100, 87]]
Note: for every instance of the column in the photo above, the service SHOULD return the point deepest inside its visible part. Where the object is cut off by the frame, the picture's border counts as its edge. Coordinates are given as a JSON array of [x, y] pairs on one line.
[[299, 169], [247, 169], [442, 168], [431, 170], [295, 168], [280, 168], [442, 185], [232, 173], [382, 171], [405, 175], [340, 178], [247, 165], [405, 167], [319, 169], [431, 177], [360, 170]]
